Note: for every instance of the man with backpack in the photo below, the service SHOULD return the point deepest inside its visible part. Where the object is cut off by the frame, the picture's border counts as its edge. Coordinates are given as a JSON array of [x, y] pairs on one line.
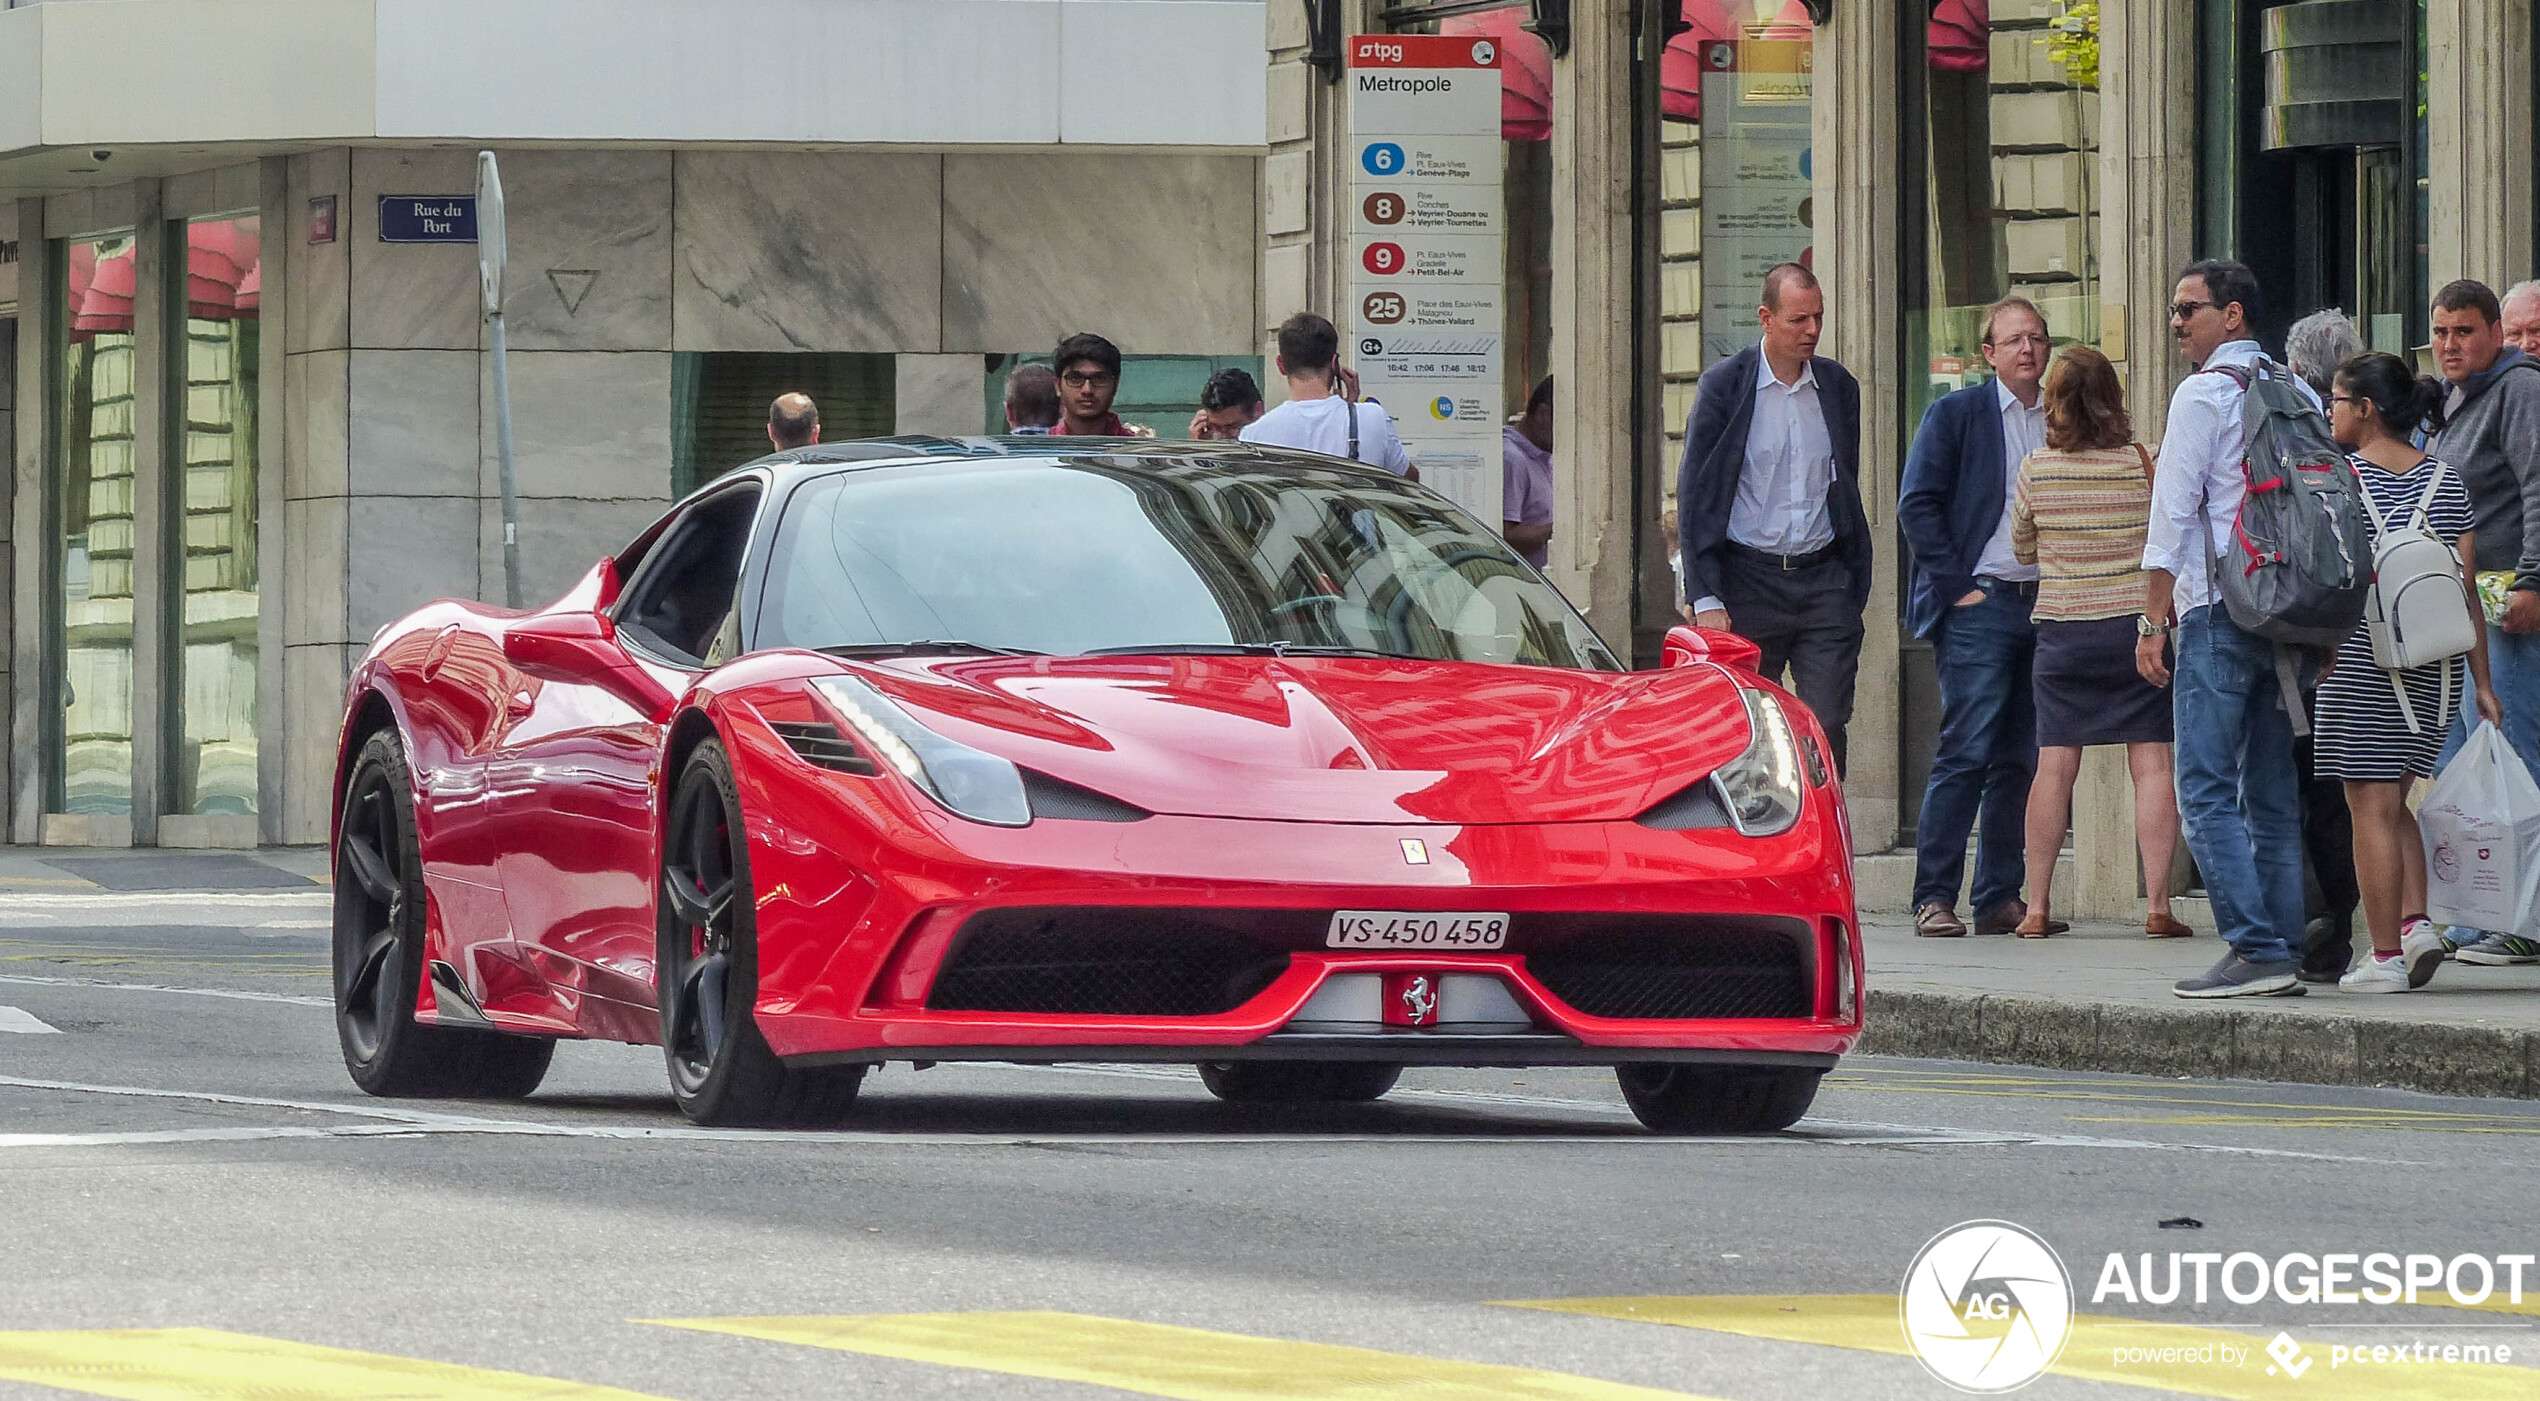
[[2491, 437], [2238, 789]]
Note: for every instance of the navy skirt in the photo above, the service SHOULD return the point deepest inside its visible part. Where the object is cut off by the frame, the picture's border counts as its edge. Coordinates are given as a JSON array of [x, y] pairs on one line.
[[2088, 691]]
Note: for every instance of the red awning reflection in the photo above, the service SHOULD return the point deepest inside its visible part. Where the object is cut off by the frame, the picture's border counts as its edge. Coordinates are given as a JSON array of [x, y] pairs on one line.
[[1525, 99], [221, 273], [101, 289], [1960, 36]]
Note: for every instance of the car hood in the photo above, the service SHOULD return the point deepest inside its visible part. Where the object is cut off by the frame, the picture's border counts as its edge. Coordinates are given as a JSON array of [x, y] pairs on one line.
[[1337, 739]]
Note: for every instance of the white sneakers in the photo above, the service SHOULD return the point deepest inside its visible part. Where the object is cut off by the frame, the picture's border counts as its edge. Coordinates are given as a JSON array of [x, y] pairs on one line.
[[2420, 953]]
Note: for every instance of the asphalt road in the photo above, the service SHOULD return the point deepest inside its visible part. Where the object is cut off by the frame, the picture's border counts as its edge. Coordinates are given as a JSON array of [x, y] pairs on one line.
[[181, 1154]]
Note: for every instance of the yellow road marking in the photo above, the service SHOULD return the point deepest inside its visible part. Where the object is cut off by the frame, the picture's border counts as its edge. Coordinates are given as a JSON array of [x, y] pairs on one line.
[[1156, 1359], [1869, 1323], [205, 1364], [2280, 1115]]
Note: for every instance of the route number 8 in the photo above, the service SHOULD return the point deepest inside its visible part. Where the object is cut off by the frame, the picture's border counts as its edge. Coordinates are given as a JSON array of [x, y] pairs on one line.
[[1383, 207]]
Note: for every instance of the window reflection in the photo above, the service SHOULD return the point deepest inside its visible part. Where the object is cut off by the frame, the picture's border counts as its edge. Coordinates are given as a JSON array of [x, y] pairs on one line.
[[216, 652], [93, 477]]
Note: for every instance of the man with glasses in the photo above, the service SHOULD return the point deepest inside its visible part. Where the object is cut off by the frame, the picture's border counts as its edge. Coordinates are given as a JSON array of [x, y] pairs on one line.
[[2238, 790], [1971, 596], [1088, 369], [2491, 436]]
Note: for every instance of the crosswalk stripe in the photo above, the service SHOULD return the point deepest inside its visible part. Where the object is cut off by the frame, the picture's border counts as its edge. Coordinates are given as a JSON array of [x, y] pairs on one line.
[[206, 1364], [1155, 1359], [1869, 1323], [26, 1023]]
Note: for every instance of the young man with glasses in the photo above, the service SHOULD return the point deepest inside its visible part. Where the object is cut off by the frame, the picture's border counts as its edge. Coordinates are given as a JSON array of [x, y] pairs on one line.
[[1971, 596], [1088, 369], [2238, 790]]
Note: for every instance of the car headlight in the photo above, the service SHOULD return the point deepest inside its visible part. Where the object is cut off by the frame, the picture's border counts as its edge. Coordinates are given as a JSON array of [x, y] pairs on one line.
[[1763, 785], [969, 782]]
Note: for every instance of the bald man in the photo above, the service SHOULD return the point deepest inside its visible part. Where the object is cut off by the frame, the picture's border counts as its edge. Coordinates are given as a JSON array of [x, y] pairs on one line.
[[793, 421]]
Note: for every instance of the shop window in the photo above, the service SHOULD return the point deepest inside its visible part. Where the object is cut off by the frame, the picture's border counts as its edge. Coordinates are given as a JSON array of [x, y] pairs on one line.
[[1160, 392], [2002, 180], [217, 571], [719, 402], [88, 734]]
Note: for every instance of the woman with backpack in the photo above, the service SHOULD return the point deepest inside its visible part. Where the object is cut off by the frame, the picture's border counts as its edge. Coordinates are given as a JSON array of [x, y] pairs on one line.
[[2379, 726]]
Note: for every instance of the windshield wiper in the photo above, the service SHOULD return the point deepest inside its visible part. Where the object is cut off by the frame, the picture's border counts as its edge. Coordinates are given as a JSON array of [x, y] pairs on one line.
[[925, 646], [1247, 649]]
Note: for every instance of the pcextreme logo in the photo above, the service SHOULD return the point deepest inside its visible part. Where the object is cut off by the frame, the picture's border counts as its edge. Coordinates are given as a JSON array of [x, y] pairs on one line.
[[1986, 1306]]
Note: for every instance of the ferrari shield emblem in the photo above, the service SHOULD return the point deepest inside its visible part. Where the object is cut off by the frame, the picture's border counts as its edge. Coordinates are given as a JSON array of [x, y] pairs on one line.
[[1415, 852], [1411, 999]]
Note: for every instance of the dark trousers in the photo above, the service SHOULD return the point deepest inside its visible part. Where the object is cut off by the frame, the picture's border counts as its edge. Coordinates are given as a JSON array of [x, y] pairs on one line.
[[1804, 620], [2329, 890], [1988, 750]]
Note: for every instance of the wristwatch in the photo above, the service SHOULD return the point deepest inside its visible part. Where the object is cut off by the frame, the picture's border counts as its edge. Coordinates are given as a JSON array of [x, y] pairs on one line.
[[2145, 627]]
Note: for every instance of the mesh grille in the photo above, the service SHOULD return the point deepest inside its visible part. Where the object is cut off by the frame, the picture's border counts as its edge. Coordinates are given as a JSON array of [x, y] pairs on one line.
[[821, 744], [1102, 962], [1056, 797], [1672, 969]]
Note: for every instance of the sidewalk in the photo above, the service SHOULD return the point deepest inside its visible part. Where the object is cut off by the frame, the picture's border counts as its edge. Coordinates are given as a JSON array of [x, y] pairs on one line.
[[135, 869], [2099, 998]]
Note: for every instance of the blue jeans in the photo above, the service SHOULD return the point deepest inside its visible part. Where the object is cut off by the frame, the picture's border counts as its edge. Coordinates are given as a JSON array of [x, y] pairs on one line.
[[2239, 794], [1988, 751], [2513, 666]]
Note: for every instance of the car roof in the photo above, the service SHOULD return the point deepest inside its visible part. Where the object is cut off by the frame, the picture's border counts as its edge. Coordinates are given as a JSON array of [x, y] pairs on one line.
[[785, 469]]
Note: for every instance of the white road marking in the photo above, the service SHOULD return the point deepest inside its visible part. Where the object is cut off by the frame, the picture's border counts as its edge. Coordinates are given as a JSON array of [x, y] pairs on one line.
[[25, 1022], [234, 995], [315, 897]]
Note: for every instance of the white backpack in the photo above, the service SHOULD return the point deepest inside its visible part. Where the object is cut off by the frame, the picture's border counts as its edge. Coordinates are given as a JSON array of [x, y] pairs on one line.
[[2418, 612]]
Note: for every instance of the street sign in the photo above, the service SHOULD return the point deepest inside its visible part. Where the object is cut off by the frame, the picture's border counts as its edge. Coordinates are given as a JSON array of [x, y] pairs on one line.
[[427, 219], [1427, 253]]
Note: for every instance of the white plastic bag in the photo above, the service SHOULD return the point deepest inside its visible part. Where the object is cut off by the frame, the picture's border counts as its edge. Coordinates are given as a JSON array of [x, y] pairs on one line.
[[2481, 823]]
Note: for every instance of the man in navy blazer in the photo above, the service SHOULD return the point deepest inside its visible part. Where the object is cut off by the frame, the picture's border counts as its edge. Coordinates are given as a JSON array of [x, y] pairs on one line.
[[1768, 503], [1972, 598]]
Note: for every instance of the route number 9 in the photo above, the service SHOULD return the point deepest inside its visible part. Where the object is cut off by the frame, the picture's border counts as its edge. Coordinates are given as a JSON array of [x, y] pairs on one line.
[[1383, 259], [1383, 207], [1382, 158]]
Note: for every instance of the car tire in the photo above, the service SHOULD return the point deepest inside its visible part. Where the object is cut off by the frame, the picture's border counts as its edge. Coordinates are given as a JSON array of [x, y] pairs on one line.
[[721, 1070], [1298, 1082], [1714, 1099], [379, 955]]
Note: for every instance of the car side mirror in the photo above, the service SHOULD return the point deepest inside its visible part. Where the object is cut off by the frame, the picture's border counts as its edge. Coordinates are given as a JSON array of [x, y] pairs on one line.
[[583, 648], [1688, 646]]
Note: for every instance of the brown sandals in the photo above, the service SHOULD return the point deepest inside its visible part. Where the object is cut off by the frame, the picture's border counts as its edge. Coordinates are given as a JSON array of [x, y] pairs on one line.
[[2164, 927], [2038, 926]]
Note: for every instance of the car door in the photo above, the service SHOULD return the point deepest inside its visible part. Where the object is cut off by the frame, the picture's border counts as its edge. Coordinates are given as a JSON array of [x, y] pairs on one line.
[[577, 769]]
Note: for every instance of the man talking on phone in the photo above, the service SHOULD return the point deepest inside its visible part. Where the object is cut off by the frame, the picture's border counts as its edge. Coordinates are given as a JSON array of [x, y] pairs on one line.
[[1319, 416]]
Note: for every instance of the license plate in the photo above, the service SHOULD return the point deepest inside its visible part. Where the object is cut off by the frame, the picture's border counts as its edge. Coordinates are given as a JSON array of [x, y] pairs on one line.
[[1396, 929]]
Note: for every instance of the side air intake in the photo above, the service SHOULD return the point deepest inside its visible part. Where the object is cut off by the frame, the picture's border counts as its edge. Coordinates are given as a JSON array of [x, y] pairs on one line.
[[820, 744]]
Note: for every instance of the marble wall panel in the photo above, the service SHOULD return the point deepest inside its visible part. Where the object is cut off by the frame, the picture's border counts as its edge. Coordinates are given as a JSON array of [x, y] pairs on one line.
[[317, 408], [314, 570], [1163, 262], [790, 251], [945, 394], [404, 552], [590, 249], [313, 701], [410, 296], [585, 423], [560, 539], [414, 422], [318, 307]]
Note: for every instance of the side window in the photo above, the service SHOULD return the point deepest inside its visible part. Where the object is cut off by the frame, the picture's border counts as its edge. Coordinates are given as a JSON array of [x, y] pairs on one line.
[[678, 603]]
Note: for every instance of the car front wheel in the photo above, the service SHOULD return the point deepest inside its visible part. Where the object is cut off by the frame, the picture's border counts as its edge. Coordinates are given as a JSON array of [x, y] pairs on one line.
[[1298, 1082], [1717, 1099]]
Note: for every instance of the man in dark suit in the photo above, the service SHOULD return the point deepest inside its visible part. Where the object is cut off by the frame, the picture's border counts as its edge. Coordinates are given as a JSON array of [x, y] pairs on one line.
[[1776, 545], [1971, 596]]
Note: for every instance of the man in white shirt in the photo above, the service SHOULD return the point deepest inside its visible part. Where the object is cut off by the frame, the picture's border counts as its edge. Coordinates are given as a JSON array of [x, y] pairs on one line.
[[1317, 417], [2238, 789], [1776, 544], [1971, 596]]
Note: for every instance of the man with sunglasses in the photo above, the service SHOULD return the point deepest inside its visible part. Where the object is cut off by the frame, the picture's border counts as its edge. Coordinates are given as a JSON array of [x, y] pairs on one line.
[[1088, 369], [2238, 789]]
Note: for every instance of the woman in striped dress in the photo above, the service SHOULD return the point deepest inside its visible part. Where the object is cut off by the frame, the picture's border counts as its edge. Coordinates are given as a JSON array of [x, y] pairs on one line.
[[2362, 734], [2079, 513]]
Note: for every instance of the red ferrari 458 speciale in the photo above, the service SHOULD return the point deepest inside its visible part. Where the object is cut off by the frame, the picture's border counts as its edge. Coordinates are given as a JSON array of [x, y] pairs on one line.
[[1040, 749]]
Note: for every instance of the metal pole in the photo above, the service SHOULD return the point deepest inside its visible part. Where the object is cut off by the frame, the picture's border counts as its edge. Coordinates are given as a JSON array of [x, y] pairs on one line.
[[492, 253]]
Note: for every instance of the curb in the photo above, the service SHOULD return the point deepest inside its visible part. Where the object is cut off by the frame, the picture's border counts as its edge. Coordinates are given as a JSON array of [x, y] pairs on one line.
[[2221, 1043]]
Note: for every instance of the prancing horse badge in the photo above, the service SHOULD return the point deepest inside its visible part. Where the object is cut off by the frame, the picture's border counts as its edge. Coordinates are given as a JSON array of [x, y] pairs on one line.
[[1415, 852]]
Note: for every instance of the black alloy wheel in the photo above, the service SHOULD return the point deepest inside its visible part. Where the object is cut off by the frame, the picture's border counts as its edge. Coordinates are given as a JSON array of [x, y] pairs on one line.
[[706, 970], [1717, 1099], [379, 955], [1298, 1082]]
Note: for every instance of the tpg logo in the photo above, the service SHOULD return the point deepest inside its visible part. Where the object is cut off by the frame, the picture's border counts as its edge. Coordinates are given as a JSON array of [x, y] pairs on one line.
[[1378, 51]]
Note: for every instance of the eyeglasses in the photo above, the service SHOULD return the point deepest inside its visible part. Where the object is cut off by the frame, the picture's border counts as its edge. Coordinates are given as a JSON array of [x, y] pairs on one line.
[[2348, 399], [2185, 311], [2021, 342], [1078, 379]]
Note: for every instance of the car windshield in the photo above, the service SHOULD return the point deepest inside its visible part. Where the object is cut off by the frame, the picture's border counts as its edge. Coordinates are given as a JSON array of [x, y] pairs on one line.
[[1157, 554]]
